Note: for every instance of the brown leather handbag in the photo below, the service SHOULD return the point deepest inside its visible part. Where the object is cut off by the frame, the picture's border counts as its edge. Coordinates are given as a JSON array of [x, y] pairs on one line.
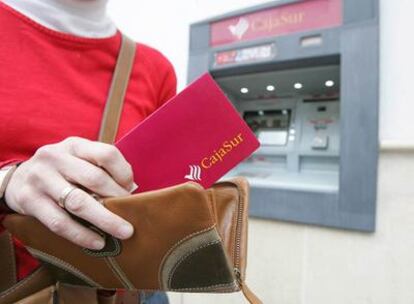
[[187, 239]]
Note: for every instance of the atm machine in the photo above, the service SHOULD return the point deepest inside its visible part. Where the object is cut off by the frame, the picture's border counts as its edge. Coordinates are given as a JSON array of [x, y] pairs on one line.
[[304, 77]]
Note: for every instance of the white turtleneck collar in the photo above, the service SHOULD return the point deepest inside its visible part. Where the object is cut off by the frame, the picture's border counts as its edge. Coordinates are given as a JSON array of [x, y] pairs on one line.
[[84, 18]]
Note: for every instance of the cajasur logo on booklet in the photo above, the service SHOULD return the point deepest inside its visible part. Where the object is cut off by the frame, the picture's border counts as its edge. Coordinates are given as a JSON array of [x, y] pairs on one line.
[[196, 136]]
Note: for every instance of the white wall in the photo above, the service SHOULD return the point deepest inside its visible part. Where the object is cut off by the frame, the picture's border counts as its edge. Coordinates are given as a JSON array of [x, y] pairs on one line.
[[292, 263], [397, 66]]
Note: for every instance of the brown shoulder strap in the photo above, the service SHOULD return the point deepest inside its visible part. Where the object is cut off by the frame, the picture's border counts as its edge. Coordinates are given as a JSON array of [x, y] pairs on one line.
[[120, 78]]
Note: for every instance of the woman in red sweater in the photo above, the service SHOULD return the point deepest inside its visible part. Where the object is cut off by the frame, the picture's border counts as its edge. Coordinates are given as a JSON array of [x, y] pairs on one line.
[[57, 58]]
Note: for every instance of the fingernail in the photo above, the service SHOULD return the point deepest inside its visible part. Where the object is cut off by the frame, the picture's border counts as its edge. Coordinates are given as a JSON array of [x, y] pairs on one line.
[[98, 244], [134, 187], [125, 231]]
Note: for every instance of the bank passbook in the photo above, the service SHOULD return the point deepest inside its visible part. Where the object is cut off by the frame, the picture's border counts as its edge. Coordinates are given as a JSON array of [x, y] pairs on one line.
[[196, 136]]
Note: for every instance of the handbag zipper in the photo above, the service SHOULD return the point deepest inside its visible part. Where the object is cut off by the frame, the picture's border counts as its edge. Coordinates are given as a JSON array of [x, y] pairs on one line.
[[249, 295], [237, 248], [238, 239]]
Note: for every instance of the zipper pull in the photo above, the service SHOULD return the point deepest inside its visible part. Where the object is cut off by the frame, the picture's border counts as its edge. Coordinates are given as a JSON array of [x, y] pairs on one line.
[[248, 294]]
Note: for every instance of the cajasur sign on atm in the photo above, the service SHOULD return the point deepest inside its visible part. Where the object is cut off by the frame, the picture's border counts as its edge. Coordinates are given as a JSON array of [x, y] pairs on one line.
[[277, 21]]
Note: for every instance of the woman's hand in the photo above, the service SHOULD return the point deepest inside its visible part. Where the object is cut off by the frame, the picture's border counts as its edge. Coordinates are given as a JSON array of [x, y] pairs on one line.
[[38, 183]]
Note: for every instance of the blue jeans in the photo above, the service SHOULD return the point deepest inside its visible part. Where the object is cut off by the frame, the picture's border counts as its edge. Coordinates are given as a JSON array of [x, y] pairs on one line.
[[153, 298]]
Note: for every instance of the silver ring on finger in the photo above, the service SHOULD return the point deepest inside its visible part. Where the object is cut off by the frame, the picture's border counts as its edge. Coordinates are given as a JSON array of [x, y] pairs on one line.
[[65, 193]]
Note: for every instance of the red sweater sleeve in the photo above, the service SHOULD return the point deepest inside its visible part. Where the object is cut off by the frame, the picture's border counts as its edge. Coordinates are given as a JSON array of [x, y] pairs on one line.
[[9, 162], [3, 208], [162, 73], [169, 84]]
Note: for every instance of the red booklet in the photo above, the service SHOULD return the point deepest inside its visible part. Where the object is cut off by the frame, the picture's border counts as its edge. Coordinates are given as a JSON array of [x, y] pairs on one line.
[[196, 136]]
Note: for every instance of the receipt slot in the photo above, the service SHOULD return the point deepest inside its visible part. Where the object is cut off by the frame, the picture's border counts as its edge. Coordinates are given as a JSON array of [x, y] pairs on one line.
[[304, 77]]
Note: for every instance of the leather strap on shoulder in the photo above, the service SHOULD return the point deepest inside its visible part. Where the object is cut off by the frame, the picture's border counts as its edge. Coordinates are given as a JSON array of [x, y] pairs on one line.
[[118, 88]]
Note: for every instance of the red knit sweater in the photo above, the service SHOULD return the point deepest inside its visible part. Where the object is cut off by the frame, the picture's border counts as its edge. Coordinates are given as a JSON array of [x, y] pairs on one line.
[[54, 85]]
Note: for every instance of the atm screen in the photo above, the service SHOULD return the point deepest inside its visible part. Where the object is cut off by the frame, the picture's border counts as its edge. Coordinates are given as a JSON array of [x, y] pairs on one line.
[[270, 126]]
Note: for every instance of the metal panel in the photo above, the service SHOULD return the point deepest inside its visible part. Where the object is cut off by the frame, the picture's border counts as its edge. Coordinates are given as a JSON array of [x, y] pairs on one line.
[[357, 11], [199, 63], [306, 207], [199, 37], [359, 135], [199, 60]]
